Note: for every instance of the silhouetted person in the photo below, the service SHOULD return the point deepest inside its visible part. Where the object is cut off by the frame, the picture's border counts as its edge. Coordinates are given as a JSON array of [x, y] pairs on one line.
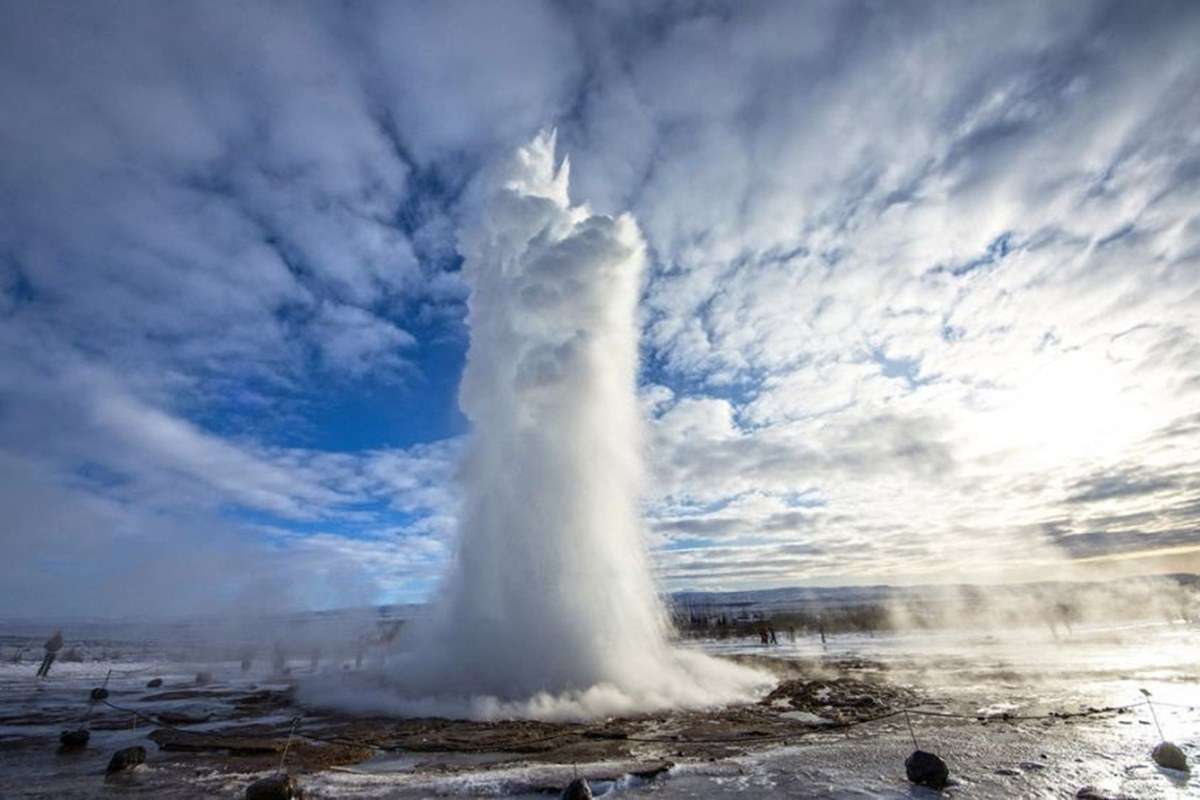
[[279, 660], [53, 645], [821, 630], [773, 639], [763, 637]]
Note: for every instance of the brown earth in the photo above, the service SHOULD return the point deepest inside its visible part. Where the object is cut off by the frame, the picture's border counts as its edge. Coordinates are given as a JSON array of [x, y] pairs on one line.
[[840, 692]]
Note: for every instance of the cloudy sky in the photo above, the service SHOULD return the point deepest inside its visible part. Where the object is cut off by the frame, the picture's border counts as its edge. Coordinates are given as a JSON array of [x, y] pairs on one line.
[[923, 299]]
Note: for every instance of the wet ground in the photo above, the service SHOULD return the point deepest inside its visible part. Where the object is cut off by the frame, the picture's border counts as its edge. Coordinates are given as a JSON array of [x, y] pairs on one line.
[[1015, 716]]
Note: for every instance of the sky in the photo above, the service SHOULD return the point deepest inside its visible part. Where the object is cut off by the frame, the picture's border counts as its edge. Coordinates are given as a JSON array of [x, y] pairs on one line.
[[922, 299]]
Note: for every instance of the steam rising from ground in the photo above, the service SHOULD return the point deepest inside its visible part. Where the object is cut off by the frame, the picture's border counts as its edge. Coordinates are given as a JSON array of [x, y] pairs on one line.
[[550, 610]]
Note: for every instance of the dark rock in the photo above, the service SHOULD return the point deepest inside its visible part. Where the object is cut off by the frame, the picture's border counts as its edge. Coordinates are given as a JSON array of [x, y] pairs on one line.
[[175, 740], [280, 786], [180, 718], [652, 771], [926, 769], [74, 740], [154, 683], [127, 758], [577, 789], [1092, 793], [203, 678], [1169, 756], [98, 694]]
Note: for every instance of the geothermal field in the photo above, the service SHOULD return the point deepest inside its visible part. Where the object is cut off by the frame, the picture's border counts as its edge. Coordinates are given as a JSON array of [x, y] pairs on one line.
[[1014, 713], [566, 399], [548, 665]]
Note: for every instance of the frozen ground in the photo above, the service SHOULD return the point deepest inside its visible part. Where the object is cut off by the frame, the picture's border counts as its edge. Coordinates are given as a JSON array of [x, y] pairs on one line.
[[775, 749]]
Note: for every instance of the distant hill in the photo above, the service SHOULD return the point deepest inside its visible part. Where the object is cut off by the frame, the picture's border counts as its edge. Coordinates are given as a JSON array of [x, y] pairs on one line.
[[815, 598]]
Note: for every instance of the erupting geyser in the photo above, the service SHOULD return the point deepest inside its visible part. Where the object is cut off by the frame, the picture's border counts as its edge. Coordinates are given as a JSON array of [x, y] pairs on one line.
[[549, 609]]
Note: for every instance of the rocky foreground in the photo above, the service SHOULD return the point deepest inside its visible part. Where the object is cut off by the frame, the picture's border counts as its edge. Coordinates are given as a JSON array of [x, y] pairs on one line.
[[245, 728], [830, 722]]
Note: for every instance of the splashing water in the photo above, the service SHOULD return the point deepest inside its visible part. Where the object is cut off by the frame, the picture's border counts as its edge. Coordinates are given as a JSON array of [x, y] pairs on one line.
[[549, 610]]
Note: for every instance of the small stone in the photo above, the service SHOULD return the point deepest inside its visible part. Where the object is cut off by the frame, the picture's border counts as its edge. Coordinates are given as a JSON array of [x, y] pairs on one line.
[[1169, 756], [74, 740], [127, 758], [926, 769], [577, 789], [279, 786], [154, 683]]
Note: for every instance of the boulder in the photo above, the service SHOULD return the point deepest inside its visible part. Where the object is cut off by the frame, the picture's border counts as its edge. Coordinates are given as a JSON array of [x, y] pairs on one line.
[[577, 789], [154, 683], [926, 769], [74, 740], [280, 786], [126, 758], [1169, 756], [203, 678]]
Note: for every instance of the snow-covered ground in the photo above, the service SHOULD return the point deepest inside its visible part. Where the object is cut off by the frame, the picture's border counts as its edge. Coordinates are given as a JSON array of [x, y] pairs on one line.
[[1020, 673]]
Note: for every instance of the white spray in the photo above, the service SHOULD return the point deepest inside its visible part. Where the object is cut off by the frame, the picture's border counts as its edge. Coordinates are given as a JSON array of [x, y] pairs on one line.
[[549, 609]]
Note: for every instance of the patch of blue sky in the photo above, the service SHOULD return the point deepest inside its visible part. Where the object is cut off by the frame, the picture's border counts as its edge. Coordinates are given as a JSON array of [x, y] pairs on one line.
[[96, 476], [14, 284], [687, 543], [808, 498], [997, 250], [332, 412], [689, 506], [909, 369], [366, 520], [373, 413], [738, 389]]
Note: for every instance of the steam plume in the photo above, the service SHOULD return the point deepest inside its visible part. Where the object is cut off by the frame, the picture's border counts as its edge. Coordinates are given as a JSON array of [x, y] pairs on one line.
[[549, 609]]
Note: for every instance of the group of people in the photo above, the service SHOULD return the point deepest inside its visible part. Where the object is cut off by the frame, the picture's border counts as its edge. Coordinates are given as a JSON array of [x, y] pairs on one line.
[[768, 636]]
